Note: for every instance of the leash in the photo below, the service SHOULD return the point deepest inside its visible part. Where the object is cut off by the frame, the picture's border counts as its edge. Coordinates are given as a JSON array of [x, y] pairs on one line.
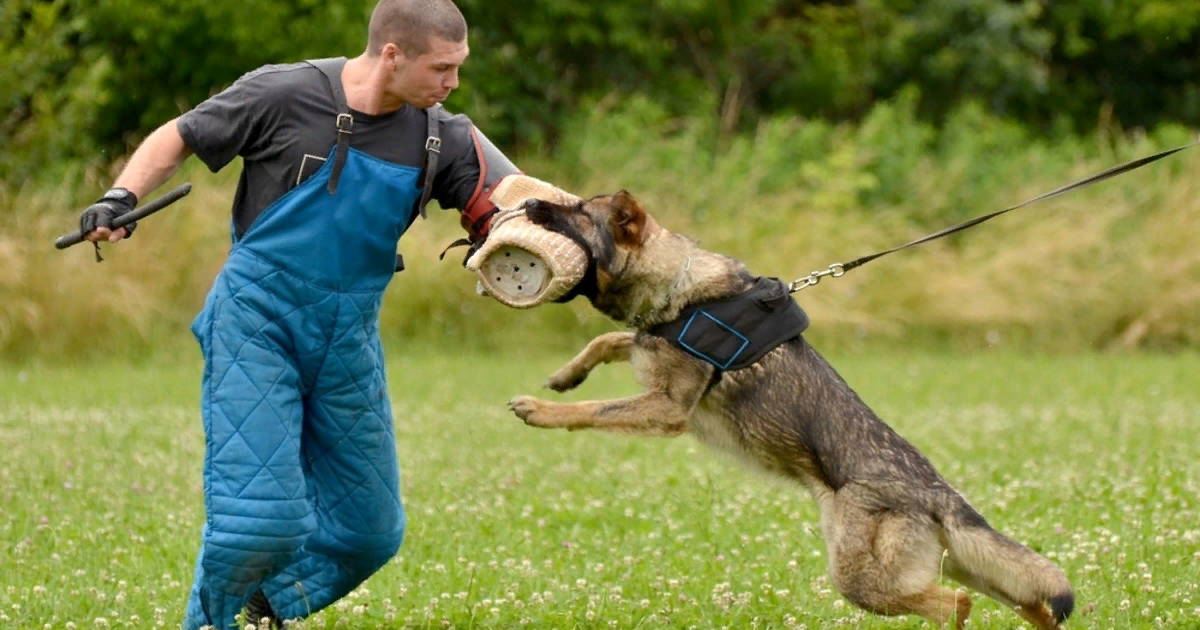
[[838, 270]]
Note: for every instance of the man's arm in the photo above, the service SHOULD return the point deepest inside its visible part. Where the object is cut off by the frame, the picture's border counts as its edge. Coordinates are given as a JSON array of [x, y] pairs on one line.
[[153, 163], [470, 169]]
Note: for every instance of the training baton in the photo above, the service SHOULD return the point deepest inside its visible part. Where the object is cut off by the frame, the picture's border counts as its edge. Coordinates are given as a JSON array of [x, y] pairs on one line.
[[73, 238]]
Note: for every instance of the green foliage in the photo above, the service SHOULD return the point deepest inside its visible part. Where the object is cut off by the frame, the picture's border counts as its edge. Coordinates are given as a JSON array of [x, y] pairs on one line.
[[50, 104], [1111, 266], [173, 53], [97, 76]]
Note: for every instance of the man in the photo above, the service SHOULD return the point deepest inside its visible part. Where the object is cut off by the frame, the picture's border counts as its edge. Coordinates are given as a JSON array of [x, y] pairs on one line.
[[301, 482]]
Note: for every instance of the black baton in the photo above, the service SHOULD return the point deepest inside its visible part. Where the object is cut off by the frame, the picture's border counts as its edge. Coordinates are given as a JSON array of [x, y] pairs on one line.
[[73, 238]]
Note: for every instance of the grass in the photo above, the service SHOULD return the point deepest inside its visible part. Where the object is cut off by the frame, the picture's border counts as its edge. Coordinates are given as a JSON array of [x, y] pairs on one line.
[[1090, 459]]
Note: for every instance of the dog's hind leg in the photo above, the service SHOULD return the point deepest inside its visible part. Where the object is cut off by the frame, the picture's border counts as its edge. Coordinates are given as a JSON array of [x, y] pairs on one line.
[[887, 561], [609, 347], [997, 566]]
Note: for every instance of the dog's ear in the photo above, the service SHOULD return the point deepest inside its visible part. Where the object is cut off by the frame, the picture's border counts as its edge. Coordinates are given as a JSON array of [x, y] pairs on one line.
[[628, 219]]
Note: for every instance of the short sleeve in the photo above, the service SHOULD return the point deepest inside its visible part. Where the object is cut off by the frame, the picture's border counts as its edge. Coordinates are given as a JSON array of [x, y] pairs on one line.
[[237, 121], [459, 170]]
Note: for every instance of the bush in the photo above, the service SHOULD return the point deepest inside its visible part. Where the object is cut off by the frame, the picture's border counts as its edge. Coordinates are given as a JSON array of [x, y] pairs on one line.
[[1110, 266], [91, 78]]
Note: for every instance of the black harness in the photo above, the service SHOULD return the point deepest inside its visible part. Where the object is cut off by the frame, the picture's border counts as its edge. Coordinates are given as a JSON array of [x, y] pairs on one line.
[[736, 332]]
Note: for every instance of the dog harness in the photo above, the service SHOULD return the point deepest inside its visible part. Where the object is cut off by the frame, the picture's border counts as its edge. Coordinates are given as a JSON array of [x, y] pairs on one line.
[[736, 332]]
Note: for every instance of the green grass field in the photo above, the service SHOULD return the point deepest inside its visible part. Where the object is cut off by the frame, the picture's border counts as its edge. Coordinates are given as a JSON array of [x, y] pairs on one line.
[[1091, 460]]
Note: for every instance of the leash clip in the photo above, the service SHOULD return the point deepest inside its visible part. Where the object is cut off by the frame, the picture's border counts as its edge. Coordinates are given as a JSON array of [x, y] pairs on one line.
[[836, 270]]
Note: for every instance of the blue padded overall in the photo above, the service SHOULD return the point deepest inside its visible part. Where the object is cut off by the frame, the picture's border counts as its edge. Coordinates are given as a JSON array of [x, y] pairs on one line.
[[301, 480]]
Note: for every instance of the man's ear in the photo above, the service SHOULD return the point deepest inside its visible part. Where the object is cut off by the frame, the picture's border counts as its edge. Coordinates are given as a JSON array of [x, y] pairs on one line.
[[392, 54], [628, 219]]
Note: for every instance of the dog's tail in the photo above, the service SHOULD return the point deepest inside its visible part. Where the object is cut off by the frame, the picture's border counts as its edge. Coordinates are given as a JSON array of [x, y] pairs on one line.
[[1001, 568]]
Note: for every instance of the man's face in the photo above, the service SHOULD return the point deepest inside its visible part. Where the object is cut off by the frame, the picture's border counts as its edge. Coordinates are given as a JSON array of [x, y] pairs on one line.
[[428, 78]]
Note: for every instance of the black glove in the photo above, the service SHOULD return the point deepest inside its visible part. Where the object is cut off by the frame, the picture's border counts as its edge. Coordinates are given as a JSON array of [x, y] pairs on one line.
[[113, 204]]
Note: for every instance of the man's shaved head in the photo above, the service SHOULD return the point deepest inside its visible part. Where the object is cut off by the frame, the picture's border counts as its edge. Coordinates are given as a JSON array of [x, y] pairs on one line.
[[409, 24]]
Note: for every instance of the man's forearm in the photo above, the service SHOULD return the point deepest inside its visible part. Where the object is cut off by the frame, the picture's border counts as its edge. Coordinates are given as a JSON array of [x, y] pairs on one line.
[[154, 161]]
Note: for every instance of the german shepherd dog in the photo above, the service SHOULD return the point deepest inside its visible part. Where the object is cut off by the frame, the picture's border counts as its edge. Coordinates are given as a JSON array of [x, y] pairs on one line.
[[891, 523]]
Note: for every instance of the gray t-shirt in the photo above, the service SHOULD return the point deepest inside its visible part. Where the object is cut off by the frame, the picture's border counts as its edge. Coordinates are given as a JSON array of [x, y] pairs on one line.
[[280, 119]]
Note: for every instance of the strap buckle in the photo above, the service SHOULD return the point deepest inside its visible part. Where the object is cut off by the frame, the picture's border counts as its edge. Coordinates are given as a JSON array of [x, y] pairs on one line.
[[433, 144], [345, 122]]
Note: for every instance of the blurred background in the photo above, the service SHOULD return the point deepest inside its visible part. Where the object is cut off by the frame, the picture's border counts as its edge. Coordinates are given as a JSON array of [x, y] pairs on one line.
[[789, 134]]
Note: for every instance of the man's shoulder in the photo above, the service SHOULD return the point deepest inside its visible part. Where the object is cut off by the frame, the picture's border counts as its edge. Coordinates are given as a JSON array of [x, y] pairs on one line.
[[446, 116], [274, 84], [455, 130], [282, 73], [452, 124]]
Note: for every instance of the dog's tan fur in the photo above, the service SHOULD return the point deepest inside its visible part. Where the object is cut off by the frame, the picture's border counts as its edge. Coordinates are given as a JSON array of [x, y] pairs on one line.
[[891, 524]]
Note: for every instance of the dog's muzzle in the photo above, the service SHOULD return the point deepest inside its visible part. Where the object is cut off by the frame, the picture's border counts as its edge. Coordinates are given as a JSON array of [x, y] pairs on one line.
[[523, 264]]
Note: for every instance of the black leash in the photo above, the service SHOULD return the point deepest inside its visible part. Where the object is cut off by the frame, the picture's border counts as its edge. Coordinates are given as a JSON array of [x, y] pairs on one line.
[[839, 269]]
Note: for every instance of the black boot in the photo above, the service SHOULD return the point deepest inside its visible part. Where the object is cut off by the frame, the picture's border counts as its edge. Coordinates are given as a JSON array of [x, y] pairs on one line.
[[258, 608]]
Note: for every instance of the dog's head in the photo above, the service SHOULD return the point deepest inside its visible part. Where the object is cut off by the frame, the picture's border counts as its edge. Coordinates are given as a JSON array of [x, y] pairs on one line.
[[613, 230]]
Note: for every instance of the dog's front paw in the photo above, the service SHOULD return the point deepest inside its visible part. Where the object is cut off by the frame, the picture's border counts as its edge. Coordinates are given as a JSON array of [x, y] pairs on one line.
[[532, 411]]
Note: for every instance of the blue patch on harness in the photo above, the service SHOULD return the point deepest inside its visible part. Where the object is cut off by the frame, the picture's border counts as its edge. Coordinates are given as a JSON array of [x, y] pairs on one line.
[[708, 357], [735, 332]]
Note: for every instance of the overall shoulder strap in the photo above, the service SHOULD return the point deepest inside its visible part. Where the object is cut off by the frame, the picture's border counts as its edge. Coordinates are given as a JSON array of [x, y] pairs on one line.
[[331, 71], [433, 149]]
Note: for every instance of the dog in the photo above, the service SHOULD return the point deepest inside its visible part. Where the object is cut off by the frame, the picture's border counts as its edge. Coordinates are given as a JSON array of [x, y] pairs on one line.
[[892, 525]]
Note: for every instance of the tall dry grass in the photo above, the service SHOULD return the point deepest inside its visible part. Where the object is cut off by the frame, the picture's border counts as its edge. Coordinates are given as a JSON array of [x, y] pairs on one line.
[[1116, 265]]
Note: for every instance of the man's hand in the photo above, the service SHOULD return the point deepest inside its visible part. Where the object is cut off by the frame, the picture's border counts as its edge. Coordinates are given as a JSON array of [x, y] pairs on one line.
[[96, 221]]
